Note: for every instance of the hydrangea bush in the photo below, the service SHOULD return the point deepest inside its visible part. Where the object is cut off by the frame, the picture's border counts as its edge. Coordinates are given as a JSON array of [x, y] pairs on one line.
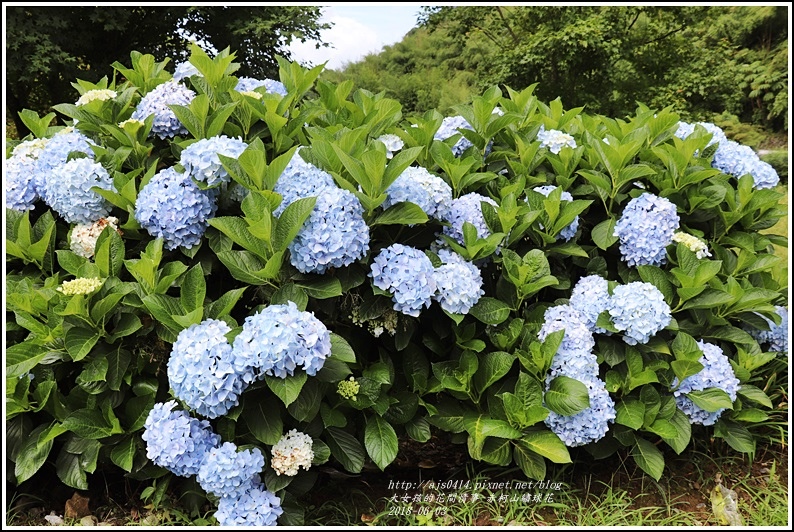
[[233, 281]]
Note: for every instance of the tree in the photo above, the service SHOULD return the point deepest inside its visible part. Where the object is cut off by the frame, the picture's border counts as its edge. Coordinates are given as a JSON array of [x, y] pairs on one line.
[[48, 47]]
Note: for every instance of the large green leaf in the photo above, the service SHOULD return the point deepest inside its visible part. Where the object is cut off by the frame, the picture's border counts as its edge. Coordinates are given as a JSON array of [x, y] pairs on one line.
[[79, 342], [32, 455], [567, 396], [346, 449], [548, 444], [264, 421], [380, 440], [287, 389], [531, 463], [648, 457], [490, 311]]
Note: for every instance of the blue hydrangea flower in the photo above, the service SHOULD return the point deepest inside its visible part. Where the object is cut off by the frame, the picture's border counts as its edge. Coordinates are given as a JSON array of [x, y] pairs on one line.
[[201, 371], [278, 339], [55, 153], [555, 140], [185, 69], [173, 207], [777, 335], [68, 191], [639, 311], [176, 441], [407, 274], [272, 86], [417, 185], [156, 102], [334, 235], [574, 357], [569, 231], [458, 283], [201, 160], [645, 229], [225, 470], [251, 505], [449, 127], [589, 425], [300, 180], [590, 296], [467, 208], [20, 185], [716, 373]]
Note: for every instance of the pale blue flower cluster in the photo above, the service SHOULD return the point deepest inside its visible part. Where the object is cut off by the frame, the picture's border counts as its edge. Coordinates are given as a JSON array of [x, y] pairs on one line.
[[201, 160], [201, 371], [392, 142], [278, 339], [555, 140], [639, 311], [569, 231], [56, 152], [777, 335], [21, 193], [249, 505], [449, 127], [272, 86], [716, 373], [467, 208], [300, 180], [645, 229], [68, 191], [458, 283], [733, 158], [334, 235], [590, 296], [225, 470], [575, 359], [407, 274], [177, 441], [156, 102], [417, 185], [173, 207], [185, 69]]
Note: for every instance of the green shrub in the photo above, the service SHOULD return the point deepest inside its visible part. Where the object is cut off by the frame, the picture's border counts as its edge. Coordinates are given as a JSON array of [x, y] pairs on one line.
[[779, 161], [86, 363]]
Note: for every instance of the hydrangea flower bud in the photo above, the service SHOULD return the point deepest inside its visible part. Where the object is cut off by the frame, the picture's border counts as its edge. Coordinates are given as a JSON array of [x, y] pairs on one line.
[[293, 451], [81, 285], [645, 229], [407, 274], [176, 441], [173, 207], [695, 245], [96, 94], [349, 388]]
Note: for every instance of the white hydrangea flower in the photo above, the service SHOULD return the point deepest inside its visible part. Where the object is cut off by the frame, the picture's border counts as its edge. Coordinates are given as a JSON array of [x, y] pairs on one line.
[[393, 143], [29, 148], [96, 94], [292, 451], [84, 236], [694, 244]]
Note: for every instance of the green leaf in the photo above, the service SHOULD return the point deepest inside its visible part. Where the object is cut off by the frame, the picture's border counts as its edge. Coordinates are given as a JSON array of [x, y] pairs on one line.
[[32, 455], [490, 311], [88, 423], [123, 453], [711, 399], [193, 289], [481, 427], [493, 366], [23, 357], [567, 396], [547, 444], [648, 457], [223, 305], [418, 429], [341, 350], [755, 394], [380, 440], [264, 421], [322, 288], [307, 404], [290, 292], [287, 389], [630, 412], [603, 234], [346, 449], [736, 435], [658, 278], [79, 342], [531, 463], [118, 362], [684, 432], [69, 470], [404, 213], [291, 221]]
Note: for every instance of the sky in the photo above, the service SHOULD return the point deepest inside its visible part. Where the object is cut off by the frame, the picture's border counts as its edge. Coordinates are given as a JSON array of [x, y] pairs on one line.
[[358, 30]]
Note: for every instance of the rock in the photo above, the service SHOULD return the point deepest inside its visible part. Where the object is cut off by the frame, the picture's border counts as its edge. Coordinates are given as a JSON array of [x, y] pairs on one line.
[[76, 507], [54, 520], [88, 520]]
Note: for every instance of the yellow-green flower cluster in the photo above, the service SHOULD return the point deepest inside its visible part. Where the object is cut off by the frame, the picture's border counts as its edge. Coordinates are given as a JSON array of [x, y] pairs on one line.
[[96, 94], [348, 389], [694, 244], [252, 94], [131, 121], [80, 285]]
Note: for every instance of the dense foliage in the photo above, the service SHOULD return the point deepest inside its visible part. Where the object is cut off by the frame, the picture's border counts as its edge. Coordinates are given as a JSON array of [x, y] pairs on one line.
[[226, 282], [49, 46], [702, 60]]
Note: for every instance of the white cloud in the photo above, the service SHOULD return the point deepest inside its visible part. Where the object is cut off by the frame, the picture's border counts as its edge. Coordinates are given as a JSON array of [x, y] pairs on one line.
[[350, 41]]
